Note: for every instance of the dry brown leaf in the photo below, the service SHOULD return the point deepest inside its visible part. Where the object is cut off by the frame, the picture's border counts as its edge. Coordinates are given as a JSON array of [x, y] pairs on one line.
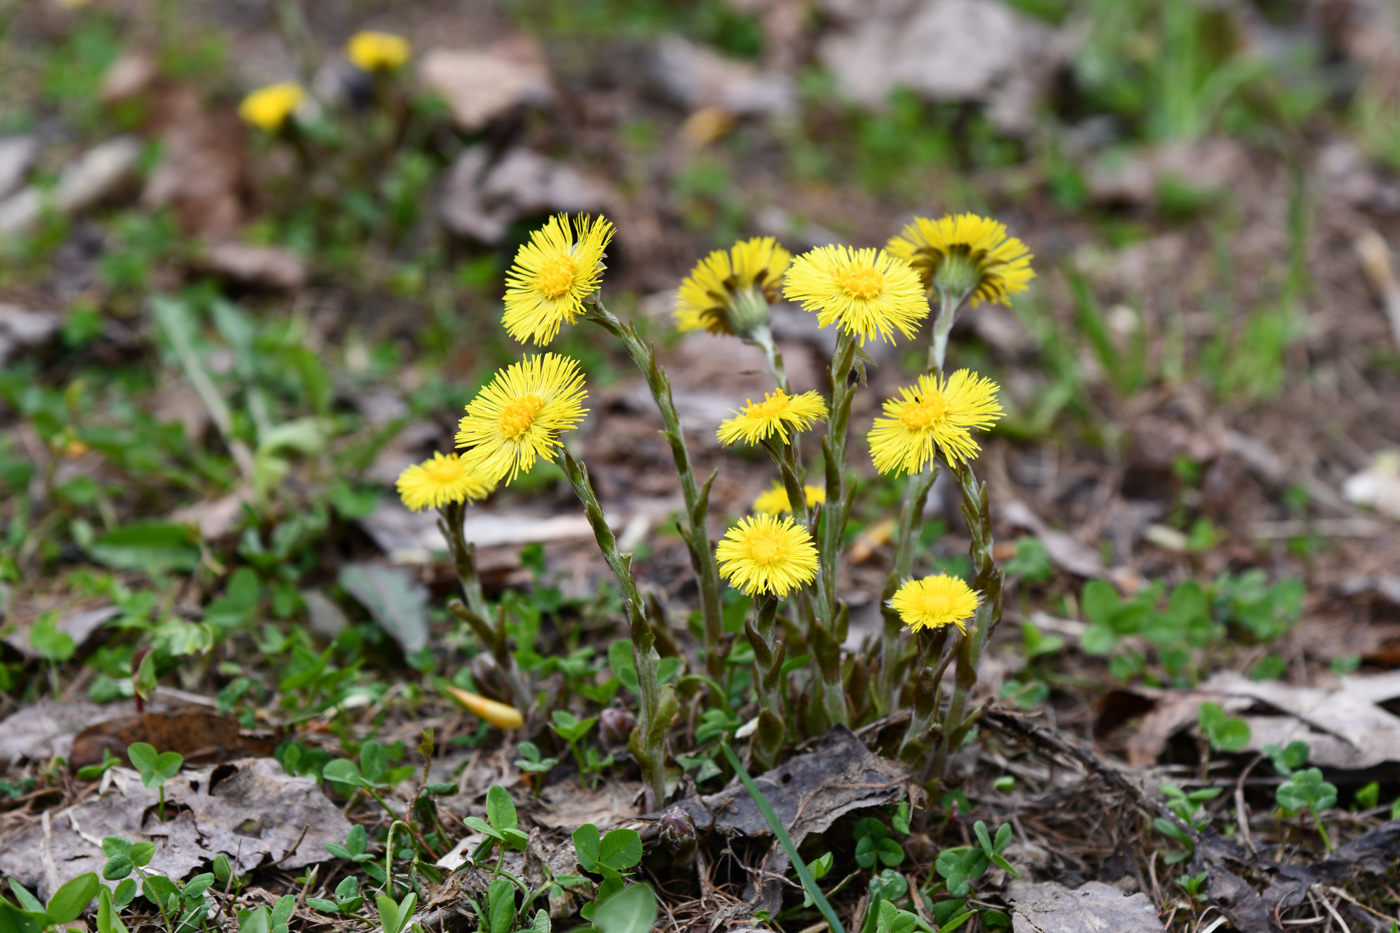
[[200, 735], [249, 810], [481, 85], [1050, 907]]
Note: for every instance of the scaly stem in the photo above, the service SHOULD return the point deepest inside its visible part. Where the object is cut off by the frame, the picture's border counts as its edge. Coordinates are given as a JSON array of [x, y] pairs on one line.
[[697, 496], [892, 638], [988, 583], [948, 306], [768, 654], [476, 612], [658, 704]]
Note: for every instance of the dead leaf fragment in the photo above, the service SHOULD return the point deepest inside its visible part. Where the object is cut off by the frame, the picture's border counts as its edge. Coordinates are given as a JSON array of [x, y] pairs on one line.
[[696, 76], [199, 735], [261, 266], [1050, 907], [481, 85], [249, 810], [1377, 486], [482, 198]]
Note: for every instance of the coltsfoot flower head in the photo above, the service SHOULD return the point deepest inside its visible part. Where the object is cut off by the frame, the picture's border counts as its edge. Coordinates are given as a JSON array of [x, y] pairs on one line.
[[517, 418], [268, 108], [443, 479], [934, 413], [867, 291], [378, 51], [553, 274], [964, 252], [764, 554], [728, 291], [775, 501], [773, 416], [935, 602]]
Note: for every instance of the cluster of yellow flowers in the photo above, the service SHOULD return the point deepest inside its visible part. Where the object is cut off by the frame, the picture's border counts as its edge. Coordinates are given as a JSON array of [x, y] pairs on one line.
[[268, 108], [869, 293]]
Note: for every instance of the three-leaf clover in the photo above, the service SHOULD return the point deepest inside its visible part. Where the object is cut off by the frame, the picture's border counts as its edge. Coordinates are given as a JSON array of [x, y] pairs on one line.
[[608, 856], [873, 843], [1224, 733], [155, 769], [1307, 789]]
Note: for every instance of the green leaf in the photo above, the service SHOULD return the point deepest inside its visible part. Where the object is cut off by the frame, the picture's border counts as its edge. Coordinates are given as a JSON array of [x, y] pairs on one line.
[[622, 665], [1098, 639], [343, 771], [1233, 735], [150, 545], [167, 764], [481, 826], [515, 839], [631, 910], [142, 853], [374, 761], [1100, 600], [393, 598], [142, 756], [587, 842], [108, 919], [70, 900], [500, 909], [500, 808], [28, 901], [388, 910], [620, 849]]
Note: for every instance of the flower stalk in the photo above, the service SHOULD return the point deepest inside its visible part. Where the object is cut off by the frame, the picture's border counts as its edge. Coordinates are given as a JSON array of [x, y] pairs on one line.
[[768, 654], [658, 704], [697, 496]]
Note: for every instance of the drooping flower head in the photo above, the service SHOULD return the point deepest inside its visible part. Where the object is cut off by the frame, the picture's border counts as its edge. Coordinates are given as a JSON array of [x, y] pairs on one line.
[[553, 274], [517, 418], [965, 253], [268, 108], [935, 602], [728, 291], [377, 51], [443, 479], [936, 414], [772, 417], [764, 554], [775, 501], [867, 291]]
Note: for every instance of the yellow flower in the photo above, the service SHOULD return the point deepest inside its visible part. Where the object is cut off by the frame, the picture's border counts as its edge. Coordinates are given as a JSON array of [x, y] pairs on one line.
[[761, 420], [553, 274], [443, 479], [764, 554], [517, 418], [870, 293], [970, 253], [933, 412], [728, 291], [497, 714], [377, 51], [935, 602], [775, 501], [268, 108]]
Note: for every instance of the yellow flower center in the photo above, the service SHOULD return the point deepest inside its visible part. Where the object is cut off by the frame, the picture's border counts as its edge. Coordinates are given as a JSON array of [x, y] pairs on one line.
[[442, 472], [769, 408], [556, 276], [937, 605], [925, 412], [518, 415], [861, 282], [765, 548]]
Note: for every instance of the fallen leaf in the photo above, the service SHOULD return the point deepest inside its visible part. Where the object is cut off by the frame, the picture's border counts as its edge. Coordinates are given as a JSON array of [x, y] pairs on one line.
[[98, 174], [261, 266], [1050, 907], [481, 85], [396, 602], [1377, 486], [248, 810], [567, 806], [128, 77], [45, 730], [199, 735], [413, 537], [697, 77], [482, 198], [202, 171], [78, 624]]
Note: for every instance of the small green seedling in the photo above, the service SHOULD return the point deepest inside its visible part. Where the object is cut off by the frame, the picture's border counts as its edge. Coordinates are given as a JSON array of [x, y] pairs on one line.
[[574, 731], [1194, 886], [960, 865], [356, 849], [1190, 807], [93, 772], [532, 761], [261, 919], [608, 856], [64, 907], [501, 826], [155, 769], [1368, 796], [1307, 790], [1288, 759], [394, 916], [1224, 733], [347, 900], [873, 843]]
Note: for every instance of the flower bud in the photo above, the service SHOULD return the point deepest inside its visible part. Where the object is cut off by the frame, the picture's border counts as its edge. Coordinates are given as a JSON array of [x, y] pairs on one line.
[[616, 724], [678, 835]]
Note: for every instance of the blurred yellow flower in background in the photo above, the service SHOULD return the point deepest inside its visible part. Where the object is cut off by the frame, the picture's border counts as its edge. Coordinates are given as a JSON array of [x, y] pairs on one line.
[[935, 602], [439, 481], [936, 412], [775, 501], [553, 274], [378, 51], [867, 291], [268, 108], [763, 554], [773, 416], [966, 253], [518, 417]]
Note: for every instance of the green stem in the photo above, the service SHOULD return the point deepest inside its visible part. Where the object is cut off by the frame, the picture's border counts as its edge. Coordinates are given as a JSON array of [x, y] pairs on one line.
[[697, 496], [658, 705], [1321, 830], [948, 308], [892, 638], [768, 654], [988, 582]]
